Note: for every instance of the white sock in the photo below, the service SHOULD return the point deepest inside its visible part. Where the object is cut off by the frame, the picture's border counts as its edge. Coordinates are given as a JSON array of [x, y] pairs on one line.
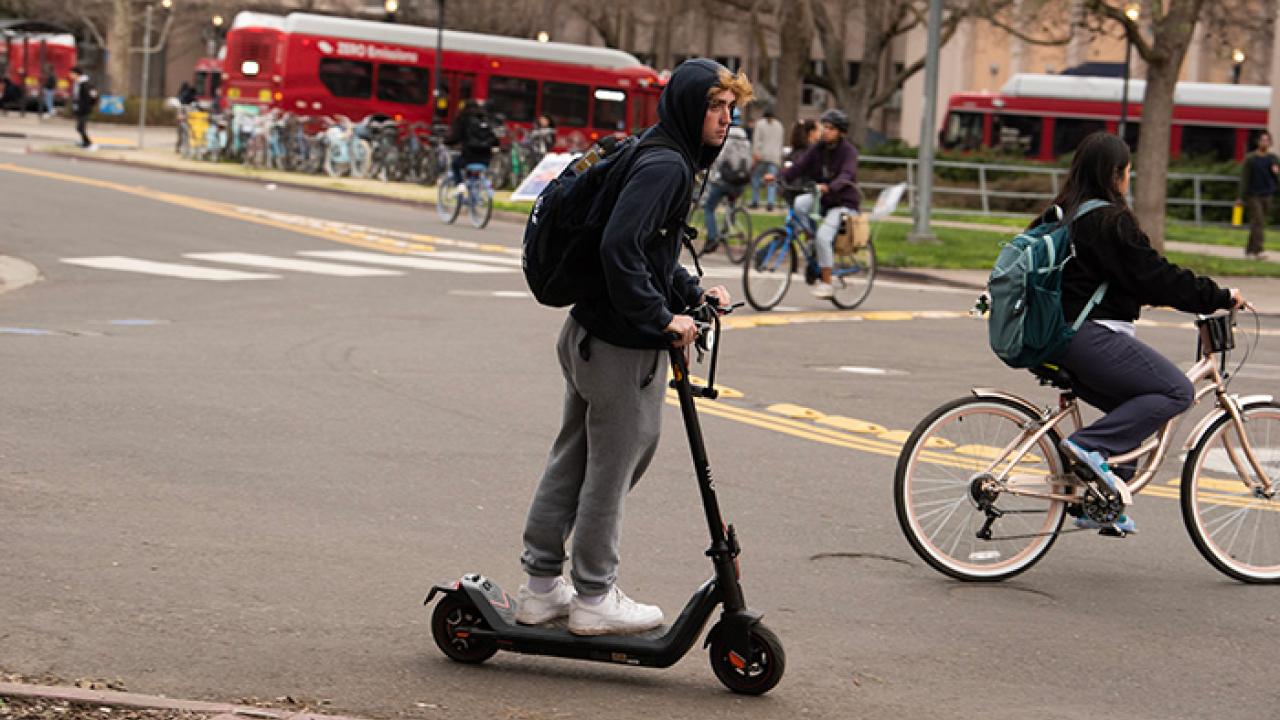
[[542, 585], [591, 599]]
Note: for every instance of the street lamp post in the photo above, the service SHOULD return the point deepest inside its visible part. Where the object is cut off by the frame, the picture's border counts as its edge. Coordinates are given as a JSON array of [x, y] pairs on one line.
[[1237, 61], [1131, 11], [391, 6], [442, 100]]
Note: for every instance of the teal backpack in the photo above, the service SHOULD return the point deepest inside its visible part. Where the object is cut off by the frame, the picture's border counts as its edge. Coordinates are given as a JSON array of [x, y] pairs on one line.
[[1026, 326]]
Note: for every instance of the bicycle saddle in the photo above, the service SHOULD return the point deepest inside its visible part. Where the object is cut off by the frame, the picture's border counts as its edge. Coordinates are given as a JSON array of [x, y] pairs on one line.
[[1050, 374]]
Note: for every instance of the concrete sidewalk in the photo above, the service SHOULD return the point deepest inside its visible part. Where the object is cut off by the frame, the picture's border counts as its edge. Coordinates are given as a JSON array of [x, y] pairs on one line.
[[112, 698], [62, 129]]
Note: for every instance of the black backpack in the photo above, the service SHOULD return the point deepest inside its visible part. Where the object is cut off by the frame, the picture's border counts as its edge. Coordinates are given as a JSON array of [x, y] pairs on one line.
[[561, 255], [479, 137]]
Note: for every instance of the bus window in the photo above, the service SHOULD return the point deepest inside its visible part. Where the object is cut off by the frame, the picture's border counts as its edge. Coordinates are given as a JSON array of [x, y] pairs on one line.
[[403, 84], [514, 98], [1068, 132], [963, 131], [1218, 143], [567, 104], [1016, 134], [610, 110], [347, 78]]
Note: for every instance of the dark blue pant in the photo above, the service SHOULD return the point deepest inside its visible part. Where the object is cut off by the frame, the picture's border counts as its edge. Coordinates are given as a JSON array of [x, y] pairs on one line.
[[1137, 388]]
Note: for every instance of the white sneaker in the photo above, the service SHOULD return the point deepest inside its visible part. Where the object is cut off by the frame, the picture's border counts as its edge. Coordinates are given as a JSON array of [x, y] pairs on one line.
[[616, 614], [536, 608], [823, 291]]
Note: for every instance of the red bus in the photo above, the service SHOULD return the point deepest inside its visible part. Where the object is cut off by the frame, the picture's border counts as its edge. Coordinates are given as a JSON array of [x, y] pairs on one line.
[[28, 56], [330, 65], [207, 78], [251, 59], [1046, 116]]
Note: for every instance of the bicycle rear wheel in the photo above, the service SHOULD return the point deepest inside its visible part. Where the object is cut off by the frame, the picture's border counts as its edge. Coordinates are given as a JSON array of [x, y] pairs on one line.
[[942, 478], [1235, 528], [480, 206], [737, 235], [448, 204], [771, 262], [852, 277]]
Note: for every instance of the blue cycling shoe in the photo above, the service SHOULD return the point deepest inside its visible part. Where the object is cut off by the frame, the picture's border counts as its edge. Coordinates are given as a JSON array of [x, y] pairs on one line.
[[1123, 525], [1097, 466]]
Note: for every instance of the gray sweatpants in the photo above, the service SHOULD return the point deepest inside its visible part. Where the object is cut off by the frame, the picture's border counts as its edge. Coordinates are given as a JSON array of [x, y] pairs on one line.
[[1138, 388], [609, 433]]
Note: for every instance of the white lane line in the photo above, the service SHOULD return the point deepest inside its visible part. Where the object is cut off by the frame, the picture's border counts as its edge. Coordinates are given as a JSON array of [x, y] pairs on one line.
[[416, 262], [471, 257], [279, 263], [150, 267]]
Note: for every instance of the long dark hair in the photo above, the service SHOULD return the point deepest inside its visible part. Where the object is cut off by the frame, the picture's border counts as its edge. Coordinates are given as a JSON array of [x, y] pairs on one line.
[[1098, 163], [800, 134]]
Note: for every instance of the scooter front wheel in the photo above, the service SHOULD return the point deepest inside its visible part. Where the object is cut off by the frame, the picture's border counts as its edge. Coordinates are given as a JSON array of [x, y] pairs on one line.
[[450, 616], [754, 675]]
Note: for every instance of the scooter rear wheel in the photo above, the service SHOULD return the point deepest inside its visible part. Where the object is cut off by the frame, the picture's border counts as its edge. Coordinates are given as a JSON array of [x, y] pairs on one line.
[[452, 613], [754, 675]]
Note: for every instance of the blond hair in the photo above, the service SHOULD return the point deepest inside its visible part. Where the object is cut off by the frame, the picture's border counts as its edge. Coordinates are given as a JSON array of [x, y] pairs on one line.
[[738, 84]]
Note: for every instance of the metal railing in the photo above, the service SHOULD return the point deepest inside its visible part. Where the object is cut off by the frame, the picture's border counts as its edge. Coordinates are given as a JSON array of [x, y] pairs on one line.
[[985, 193]]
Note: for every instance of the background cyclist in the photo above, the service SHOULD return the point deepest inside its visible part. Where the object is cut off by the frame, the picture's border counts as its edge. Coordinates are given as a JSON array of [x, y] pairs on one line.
[[729, 177], [833, 163], [474, 131]]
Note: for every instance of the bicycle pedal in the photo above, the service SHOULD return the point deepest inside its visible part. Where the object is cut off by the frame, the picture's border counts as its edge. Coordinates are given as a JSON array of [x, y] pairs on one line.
[[1113, 532]]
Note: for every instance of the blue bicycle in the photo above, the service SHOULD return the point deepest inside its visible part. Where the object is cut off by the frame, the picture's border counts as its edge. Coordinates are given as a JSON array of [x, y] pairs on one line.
[[774, 256], [476, 194]]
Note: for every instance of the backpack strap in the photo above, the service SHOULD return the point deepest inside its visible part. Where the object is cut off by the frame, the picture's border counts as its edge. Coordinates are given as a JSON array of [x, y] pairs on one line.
[[1087, 207]]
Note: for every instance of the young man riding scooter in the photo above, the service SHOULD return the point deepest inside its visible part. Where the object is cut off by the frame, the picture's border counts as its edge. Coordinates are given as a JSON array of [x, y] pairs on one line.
[[613, 354]]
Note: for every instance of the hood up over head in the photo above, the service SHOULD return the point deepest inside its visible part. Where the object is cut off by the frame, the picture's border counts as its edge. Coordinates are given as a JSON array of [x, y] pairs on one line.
[[683, 108]]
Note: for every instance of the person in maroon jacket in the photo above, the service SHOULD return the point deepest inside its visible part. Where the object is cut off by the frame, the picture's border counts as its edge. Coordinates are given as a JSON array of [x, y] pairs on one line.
[[833, 163]]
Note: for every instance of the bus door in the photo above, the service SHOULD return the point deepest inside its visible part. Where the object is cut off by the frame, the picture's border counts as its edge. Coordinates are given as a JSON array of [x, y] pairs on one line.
[[461, 87]]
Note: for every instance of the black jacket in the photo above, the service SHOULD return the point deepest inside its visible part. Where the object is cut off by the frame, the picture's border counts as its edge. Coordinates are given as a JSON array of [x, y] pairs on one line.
[[640, 250], [1111, 247]]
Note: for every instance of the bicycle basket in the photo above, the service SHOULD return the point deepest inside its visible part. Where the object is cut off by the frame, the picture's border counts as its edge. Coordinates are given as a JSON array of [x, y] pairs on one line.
[[1216, 334]]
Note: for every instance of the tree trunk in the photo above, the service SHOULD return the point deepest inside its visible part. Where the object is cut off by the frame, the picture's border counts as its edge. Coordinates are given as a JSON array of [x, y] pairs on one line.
[[869, 70], [1172, 36], [119, 39], [795, 35]]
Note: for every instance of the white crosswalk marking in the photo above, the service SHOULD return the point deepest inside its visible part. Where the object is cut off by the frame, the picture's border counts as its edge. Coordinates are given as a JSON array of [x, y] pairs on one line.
[[278, 263], [418, 262], [150, 267], [473, 257]]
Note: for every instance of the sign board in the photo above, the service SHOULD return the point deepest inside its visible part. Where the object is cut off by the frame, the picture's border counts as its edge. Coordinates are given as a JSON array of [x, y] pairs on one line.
[[888, 201], [551, 165], [111, 105]]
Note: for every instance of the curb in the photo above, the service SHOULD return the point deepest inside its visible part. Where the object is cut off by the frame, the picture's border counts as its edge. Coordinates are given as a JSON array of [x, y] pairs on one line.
[[16, 273], [506, 215], [228, 711]]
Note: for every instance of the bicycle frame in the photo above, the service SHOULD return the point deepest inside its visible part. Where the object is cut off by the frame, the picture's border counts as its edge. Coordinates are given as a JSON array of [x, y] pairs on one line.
[[1206, 370]]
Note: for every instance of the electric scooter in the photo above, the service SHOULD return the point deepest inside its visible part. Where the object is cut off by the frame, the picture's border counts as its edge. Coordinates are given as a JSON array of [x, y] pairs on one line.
[[475, 618]]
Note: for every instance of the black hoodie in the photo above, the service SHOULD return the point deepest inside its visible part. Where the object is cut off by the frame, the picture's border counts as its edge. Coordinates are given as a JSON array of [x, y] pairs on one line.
[[640, 250]]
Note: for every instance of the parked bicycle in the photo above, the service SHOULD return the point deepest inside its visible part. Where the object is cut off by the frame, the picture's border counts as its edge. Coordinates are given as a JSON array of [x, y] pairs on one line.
[[733, 230], [981, 488], [346, 153], [775, 256], [476, 196]]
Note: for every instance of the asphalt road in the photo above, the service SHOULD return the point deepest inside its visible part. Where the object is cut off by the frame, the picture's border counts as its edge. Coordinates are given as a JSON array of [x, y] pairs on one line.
[[220, 489]]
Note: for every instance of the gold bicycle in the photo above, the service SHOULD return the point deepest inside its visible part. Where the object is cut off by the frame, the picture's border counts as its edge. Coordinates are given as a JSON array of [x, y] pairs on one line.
[[981, 488]]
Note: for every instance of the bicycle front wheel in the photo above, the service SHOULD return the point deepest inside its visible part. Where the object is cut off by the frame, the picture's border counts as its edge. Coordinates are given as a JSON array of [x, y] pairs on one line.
[[1235, 526], [944, 478], [737, 235], [448, 203], [852, 277], [766, 275]]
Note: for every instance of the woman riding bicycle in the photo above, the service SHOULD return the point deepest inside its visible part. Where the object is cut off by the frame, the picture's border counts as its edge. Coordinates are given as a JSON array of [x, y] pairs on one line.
[[833, 162], [1136, 387]]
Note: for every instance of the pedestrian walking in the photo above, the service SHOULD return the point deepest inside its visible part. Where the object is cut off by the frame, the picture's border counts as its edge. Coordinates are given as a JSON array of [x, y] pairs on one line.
[[766, 153], [84, 98], [49, 85], [9, 93], [613, 355], [1258, 182]]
